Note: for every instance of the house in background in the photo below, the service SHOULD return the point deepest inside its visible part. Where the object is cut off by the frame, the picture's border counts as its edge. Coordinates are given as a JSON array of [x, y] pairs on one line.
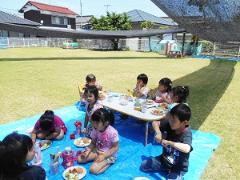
[[49, 15], [13, 19], [138, 16], [83, 22]]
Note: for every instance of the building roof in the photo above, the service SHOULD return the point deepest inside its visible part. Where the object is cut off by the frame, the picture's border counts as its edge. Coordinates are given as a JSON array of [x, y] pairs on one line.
[[83, 19], [13, 19], [137, 15], [47, 7]]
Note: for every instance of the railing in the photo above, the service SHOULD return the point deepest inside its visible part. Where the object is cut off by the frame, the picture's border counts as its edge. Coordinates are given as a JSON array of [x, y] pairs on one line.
[[134, 44]]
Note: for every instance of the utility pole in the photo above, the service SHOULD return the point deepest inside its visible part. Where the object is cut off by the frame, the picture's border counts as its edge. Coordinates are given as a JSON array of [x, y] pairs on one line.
[[107, 5], [80, 13]]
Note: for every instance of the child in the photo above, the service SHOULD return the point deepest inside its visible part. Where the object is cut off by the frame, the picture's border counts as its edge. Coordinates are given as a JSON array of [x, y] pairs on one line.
[[91, 81], [15, 151], [178, 95], [49, 126], [92, 105], [162, 94], [141, 91], [176, 138], [104, 145]]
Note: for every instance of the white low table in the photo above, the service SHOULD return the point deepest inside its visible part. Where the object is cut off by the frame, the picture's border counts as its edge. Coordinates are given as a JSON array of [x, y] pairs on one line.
[[113, 102]]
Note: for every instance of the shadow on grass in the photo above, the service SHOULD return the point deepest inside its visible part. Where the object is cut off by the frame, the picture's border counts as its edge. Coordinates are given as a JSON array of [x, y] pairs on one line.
[[79, 58], [207, 86]]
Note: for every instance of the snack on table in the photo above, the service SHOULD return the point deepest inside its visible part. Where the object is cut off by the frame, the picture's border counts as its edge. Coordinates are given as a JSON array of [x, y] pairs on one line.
[[149, 101], [164, 106], [157, 112], [138, 108]]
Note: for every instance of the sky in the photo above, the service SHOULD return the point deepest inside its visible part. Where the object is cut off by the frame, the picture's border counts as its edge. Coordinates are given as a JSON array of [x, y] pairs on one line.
[[90, 7]]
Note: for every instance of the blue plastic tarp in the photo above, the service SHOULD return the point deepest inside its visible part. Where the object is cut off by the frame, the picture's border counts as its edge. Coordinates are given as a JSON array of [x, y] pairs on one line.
[[132, 150]]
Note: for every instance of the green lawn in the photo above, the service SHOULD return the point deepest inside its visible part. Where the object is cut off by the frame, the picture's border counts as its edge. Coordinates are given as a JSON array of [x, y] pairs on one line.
[[35, 79]]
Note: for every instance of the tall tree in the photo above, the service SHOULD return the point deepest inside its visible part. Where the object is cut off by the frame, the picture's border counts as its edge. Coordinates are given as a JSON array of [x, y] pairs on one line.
[[112, 22]]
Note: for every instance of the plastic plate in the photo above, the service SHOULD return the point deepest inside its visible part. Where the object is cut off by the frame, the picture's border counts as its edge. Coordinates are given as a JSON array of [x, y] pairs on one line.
[[71, 174], [82, 142], [45, 144]]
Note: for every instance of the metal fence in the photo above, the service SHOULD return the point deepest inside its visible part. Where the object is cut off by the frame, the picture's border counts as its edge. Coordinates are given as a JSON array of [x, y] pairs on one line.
[[135, 44], [31, 42]]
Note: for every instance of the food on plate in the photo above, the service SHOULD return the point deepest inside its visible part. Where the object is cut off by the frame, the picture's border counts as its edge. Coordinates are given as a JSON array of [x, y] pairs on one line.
[[81, 142], [86, 140], [138, 108], [73, 173], [164, 105], [157, 112], [44, 144], [149, 101]]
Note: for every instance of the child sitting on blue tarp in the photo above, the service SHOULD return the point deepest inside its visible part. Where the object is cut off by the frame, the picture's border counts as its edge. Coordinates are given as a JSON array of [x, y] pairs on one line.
[[176, 138], [104, 145], [49, 126], [90, 81], [92, 105]]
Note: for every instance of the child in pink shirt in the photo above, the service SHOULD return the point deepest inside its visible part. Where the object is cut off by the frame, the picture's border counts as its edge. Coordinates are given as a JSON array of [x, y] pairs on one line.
[[164, 88], [49, 126], [104, 145]]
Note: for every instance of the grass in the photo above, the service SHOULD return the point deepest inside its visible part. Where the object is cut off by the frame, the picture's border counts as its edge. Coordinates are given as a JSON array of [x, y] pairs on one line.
[[35, 79]]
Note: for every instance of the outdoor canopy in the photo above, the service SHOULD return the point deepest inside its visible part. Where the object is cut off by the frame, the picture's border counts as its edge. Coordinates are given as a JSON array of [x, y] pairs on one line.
[[85, 34], [214, 20]]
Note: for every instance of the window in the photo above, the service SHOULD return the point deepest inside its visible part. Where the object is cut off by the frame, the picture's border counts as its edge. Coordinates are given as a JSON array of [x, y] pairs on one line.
[[3, 33], [59, 20]]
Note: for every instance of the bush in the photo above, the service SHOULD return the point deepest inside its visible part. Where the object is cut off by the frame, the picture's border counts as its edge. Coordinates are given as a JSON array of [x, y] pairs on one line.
[[207, 46]]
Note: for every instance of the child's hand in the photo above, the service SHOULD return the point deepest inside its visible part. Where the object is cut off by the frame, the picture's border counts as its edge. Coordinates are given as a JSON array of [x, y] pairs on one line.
[[33, 140], [165, 143], [158, 138], [100, 158], [165, 98], [138, 87], [84, 154]]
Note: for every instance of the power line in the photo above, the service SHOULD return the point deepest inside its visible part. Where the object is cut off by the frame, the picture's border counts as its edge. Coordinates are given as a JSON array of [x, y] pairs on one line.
[[107, 6]]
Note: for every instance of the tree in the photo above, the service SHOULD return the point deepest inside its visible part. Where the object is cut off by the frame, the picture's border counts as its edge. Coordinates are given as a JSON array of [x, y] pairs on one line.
[[147, 25], [112, 22], [200, 3]]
